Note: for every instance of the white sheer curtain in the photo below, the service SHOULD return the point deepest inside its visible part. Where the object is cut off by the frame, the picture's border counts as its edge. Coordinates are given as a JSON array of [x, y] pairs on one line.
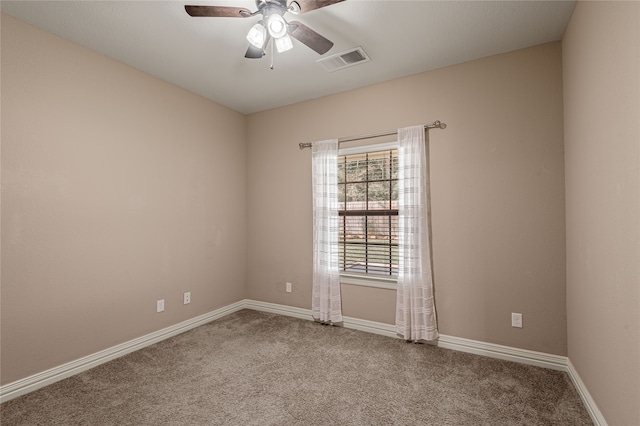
[[326, 304], [415, 310]]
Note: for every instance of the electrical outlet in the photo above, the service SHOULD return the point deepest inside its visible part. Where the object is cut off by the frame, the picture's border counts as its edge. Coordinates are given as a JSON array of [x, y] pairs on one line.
[[160, 305], [288, 288], [516, 320], [187, 298]]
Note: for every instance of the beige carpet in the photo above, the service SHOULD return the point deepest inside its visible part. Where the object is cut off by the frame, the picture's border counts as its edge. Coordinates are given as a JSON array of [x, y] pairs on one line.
[[254, 368]]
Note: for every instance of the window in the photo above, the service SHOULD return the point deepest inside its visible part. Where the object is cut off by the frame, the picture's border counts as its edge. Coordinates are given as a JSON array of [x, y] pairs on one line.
[[368, 212]]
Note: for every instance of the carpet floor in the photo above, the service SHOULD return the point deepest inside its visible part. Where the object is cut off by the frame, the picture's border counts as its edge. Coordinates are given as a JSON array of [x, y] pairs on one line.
[[256, 368]]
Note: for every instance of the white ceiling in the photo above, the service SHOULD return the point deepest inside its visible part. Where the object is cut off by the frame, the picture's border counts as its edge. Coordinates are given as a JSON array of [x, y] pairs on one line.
[[206, 55]]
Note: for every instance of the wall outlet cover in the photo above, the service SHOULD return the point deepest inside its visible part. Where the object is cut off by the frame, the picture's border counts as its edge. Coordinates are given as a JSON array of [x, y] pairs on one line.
[[516, 320]]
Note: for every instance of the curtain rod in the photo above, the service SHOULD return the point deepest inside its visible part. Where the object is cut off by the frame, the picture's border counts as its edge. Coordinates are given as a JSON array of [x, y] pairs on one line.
[[435, 125]]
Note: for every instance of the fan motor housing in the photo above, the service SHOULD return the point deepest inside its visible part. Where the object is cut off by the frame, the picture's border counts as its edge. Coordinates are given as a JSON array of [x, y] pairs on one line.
[[275, 4]]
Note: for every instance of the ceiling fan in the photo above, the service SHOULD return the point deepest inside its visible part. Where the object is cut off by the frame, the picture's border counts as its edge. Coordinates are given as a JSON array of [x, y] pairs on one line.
[[272, 25]]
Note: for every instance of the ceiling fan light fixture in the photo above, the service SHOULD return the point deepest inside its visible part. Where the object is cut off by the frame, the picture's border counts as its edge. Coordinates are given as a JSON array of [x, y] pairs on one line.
[[257, 35], [277, 25], [284, 43]]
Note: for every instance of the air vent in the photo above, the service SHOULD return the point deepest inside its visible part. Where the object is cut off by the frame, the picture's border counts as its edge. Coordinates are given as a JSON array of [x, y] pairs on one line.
[[345, 59]]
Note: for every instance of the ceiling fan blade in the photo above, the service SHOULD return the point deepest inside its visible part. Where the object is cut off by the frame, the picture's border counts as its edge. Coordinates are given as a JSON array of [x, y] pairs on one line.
[[307, 5], [307, 36], [218, 11]]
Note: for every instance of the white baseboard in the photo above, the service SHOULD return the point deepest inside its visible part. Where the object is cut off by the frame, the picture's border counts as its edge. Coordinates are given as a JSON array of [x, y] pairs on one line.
[[523, 356], [39, 380], [275, 308], [507, 353], [596, 416]]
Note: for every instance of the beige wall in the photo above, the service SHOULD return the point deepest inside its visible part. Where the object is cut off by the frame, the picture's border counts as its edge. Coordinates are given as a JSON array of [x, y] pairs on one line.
[[497, 194], [601, 51], [117, 189]]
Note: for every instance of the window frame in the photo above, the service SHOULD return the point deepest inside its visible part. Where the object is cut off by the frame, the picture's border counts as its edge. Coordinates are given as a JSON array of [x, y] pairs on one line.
[[368, 280]]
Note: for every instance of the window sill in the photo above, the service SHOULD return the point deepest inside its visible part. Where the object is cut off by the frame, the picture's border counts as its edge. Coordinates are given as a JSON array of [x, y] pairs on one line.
[[369, 281]]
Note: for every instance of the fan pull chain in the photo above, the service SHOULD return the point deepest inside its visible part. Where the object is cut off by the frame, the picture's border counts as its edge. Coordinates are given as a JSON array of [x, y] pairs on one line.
[[272, 43]]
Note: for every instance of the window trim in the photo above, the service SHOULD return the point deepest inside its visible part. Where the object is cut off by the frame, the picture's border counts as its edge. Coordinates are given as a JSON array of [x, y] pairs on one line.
[[368, 148], [368, 281], [361, 279]]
